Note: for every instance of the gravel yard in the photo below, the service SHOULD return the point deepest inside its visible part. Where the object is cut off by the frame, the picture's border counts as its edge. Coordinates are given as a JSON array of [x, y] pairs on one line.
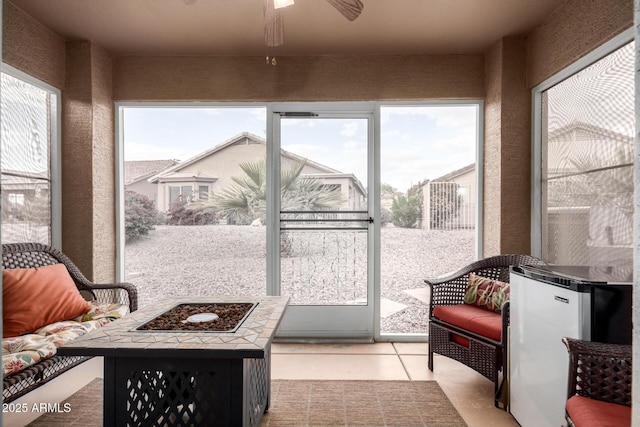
[[231, 260]]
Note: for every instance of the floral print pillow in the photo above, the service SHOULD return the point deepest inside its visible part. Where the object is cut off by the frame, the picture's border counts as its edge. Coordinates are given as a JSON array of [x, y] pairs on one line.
[[486, 293]]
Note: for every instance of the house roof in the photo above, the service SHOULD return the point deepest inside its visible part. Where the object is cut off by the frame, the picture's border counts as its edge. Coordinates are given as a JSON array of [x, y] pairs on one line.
[[456, 173], [137, 170], [242, 138], [590, 129], [14, 179]]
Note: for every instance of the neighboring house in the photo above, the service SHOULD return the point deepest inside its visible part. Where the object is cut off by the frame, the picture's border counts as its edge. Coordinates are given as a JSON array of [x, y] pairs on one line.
[[464, 182], [211, 171], [138, 172], [582, 158], [22, 191]]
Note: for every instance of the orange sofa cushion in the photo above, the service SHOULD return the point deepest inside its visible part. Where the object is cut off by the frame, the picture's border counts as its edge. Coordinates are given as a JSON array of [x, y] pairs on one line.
[[590, 412], [471, 318], [36, 297]]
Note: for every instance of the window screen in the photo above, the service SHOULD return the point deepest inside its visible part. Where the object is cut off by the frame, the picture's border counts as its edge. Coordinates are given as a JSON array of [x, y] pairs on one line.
[[28, 120], [587, 169]]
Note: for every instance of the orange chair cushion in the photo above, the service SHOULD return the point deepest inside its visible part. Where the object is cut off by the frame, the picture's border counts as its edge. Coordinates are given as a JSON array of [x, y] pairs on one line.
[[589, 412], [471, 318], [36, 297]]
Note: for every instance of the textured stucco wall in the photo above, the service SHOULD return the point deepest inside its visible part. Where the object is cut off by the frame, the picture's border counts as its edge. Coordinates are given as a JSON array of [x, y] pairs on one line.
[[88, 162], [515, 147], [573, 30], [492, 154], [306, 78], [77, 158], [31, 47], [507, 150], [104, 160]]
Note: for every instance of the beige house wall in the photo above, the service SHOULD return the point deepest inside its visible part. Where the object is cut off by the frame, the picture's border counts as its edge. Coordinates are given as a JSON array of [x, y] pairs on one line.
[[224, 164], [469, 180], [145, 188]]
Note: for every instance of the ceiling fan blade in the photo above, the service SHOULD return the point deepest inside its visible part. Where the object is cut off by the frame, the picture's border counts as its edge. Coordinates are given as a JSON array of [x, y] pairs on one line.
[[351, 9], [273, 25]]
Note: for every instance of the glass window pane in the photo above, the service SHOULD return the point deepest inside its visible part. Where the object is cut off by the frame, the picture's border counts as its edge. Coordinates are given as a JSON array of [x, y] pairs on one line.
[[588, 148], [25, 162], [203, 192], [428, 205], [192, 247], [174, 193]]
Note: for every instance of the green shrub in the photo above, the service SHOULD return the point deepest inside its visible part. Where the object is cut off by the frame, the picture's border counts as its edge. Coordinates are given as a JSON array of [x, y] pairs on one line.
[[140, 215], [405, 211], [385, 216]]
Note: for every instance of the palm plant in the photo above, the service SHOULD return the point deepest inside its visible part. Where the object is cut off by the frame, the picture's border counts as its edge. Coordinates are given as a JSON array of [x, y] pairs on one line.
[[245, 200]]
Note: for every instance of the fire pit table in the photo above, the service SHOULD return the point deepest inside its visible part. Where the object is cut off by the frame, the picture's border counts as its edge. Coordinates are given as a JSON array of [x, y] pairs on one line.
[[163, 366]]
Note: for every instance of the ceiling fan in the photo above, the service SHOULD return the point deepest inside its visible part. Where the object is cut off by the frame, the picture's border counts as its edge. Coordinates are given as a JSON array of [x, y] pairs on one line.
[[274, 23]]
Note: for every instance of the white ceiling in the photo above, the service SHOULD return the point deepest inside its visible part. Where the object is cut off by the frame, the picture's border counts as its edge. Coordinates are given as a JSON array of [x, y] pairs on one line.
[[312, 27]]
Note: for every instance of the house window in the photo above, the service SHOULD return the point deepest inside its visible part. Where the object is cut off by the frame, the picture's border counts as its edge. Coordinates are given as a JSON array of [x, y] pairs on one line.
[[29, 134], [203, 192], [587, 148], [184, 193]]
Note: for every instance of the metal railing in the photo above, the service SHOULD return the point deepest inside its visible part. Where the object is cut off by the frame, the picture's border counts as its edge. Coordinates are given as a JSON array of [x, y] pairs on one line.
[[324, 256]]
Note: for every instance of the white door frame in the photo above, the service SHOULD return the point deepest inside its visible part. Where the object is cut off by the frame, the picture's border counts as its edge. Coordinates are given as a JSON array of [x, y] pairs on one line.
[[334, 321]]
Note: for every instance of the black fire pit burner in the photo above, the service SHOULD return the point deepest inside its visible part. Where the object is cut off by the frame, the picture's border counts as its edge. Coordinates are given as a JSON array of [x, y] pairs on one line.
[[217, 317]]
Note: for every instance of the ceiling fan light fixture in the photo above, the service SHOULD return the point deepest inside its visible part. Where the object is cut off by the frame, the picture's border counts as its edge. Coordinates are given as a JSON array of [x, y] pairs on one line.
[[279, 4]]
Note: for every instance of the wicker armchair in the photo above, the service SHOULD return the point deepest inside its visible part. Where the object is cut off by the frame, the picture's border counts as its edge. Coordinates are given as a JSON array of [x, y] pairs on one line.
[[482, 354], [601, 373], [30, 255]]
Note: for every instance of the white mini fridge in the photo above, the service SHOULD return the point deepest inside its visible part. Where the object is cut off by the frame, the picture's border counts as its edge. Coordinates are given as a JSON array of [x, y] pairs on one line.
[[550, 303]]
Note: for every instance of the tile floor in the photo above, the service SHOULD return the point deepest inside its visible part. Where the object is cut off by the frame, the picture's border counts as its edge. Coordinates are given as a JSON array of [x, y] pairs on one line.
[[471, 393]]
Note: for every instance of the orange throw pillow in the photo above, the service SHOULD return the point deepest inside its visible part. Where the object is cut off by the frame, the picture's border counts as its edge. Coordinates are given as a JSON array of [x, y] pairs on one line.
[[36, 297]]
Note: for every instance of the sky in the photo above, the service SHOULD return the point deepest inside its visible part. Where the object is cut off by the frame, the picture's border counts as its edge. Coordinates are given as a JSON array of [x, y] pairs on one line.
[[417, 142]]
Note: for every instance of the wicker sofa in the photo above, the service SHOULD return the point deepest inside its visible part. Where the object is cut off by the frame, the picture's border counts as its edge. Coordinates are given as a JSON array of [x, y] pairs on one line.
[[599, 386], [32, 255], [471, 335]]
